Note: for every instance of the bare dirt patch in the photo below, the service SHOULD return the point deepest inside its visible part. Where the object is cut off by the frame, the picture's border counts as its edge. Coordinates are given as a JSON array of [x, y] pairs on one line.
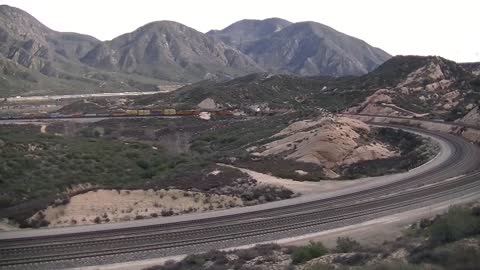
[[102, 206]]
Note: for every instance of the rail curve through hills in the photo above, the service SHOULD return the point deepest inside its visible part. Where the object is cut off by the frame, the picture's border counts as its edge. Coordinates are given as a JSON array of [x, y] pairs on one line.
[[454, 173]]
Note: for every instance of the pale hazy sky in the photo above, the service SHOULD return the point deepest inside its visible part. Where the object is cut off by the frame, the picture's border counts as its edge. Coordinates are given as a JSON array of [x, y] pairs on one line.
[[424, 27]]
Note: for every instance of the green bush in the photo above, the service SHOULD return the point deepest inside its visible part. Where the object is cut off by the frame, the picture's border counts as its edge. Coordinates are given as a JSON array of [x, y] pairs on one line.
[[194, 260], [308, 252], [320, 266], [454, 256], [456, 224], [393, 266], [346, 244]]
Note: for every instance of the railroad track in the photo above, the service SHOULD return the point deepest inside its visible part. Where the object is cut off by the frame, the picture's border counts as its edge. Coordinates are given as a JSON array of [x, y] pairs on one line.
[[57, 251]]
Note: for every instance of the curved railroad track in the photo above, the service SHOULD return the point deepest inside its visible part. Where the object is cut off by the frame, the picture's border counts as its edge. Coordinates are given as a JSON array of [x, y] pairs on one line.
[[458, 175]]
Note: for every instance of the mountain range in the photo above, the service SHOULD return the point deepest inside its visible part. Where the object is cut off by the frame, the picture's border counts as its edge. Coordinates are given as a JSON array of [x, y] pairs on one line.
[[305, 48], [38, 60]]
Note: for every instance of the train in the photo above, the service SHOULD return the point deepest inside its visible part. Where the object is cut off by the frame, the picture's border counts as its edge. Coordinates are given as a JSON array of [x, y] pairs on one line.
[[118, 113]]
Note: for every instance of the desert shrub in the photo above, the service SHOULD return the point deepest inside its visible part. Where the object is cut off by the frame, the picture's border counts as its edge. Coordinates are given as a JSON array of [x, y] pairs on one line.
[[34, 223], [320, 266], [452, 257], [456, 224], [393, 266], [197, 261], [217, 257], [353, 259], [308, 252], [425, 223], [5, 201], [166, 213], [462, 258], [194, 260], [346, 244], [476, 211], [267, 249], [247, 254], [143, 164]]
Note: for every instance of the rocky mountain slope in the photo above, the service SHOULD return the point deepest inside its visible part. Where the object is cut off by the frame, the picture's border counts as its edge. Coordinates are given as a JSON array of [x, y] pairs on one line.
[[38, 60], [305, 48], [431, 86], [170, 51], [243, 32], [31, 44]]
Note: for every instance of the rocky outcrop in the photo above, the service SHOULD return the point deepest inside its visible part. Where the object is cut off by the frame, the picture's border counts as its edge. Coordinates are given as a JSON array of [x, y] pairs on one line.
[[329, 142], [26, 41], [208, 104], [472, 117], [427, 86]]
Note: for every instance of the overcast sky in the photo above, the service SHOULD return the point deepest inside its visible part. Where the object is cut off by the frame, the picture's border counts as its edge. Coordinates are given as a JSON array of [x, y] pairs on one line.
[[424, 27]]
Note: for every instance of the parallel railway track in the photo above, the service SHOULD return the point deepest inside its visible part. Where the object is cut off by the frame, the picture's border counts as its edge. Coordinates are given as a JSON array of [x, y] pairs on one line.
[[428, 186]]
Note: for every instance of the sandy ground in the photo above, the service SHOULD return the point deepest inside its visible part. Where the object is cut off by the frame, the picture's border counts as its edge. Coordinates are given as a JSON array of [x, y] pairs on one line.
[[305, 187], [6, 226], [125, 205]]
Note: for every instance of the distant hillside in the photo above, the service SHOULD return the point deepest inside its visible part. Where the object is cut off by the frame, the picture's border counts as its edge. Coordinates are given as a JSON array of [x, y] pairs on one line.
[[38, 60], [170, 51], [266, 92], [306, 48], [404, 85], [243, 32]]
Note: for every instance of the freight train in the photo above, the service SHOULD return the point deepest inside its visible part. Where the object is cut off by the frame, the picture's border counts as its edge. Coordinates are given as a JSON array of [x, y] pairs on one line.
[[119, 113]]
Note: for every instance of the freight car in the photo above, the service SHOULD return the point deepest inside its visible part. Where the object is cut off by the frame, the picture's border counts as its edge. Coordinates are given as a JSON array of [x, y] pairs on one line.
[[169, 112], [187, 113], [118, 114], [131, 112], [147, 112], [143, 112]]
